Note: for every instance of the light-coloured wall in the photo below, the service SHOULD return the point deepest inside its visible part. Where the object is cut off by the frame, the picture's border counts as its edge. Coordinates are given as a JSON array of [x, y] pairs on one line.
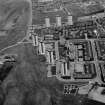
[[44, 0]]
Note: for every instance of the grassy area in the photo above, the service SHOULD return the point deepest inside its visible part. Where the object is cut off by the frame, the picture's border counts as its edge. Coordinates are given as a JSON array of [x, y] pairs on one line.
[[14, 20]]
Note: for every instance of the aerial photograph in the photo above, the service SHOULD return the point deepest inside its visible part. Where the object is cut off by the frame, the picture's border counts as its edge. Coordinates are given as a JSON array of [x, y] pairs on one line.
[[52, 52]]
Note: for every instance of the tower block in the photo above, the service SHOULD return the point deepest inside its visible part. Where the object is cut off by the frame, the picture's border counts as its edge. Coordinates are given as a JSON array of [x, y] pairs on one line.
[[70, 20], [47, 22], [58, 21]]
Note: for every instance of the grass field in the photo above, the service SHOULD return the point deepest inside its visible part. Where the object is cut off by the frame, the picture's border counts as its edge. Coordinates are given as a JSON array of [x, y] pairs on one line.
[[14, 20]]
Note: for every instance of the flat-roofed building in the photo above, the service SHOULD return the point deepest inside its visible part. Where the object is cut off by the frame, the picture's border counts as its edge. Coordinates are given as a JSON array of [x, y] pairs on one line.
[[45, 0], [50, 57], [70, 20], [41, 48], [79, 68], [48, 37], [47, 21], [80, 53], [58, 21], [35, 40], [53, 70], [63, 68]]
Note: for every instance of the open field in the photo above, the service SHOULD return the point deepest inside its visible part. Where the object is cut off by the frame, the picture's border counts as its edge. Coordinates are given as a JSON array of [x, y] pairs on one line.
[[14, 20]]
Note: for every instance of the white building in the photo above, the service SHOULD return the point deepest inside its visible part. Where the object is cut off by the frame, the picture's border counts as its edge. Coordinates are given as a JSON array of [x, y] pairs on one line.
[[45, 0], [41, 48], [64, 70], [58, 21], [79, 67], [47, 22], [35, 40], [50, 57], [70, 20]]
